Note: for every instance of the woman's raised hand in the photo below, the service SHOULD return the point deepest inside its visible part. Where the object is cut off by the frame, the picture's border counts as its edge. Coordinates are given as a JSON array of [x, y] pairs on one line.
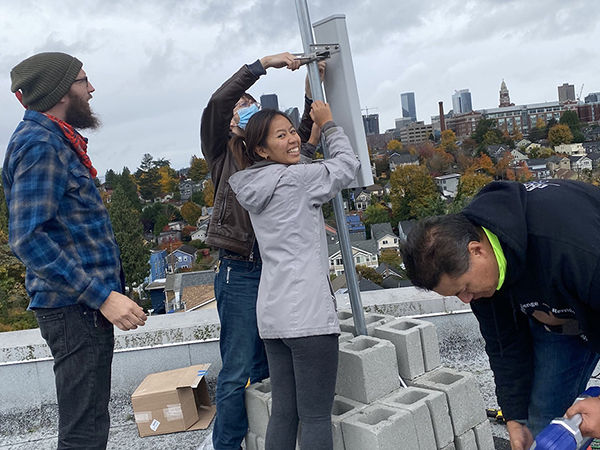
[[320, 113]]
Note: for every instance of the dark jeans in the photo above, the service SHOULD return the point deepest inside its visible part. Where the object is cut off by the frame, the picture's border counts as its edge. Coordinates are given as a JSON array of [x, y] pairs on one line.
[[303, 375], [242, 351], [563, 366], [81, 340]]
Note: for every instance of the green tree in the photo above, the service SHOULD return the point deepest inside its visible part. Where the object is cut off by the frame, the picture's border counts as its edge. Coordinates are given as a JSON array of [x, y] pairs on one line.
[[411, 188], [560, 134], [570, 119], [191, 212], [128, 186], [149, 183], [198, 198], [129, 233], [391, 257], [376, 213], [369, 273], [198, 169], [435, 206]]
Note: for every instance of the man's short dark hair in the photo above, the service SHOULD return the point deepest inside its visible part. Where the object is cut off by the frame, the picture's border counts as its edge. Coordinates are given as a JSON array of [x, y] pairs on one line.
[[436, 246]]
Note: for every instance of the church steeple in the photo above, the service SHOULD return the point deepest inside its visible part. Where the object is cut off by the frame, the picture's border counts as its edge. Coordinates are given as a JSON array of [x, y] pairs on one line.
[[504, 96]]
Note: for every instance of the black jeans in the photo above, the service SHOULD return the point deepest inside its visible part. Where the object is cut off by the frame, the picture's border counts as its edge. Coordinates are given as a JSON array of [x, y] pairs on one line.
[[303, 374], [81, 340]]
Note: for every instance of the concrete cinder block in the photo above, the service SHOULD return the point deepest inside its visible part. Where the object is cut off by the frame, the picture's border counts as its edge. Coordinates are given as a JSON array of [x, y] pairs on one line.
[[345, 337], [380, 427], [466, 441], [405, 336], [367, 369], [464, 400], [372, 321], [257, 397], [430, 412], [483, 436], [342, 409]]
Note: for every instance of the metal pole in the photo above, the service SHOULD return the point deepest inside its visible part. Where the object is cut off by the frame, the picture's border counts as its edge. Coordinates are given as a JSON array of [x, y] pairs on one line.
[[338, 203]]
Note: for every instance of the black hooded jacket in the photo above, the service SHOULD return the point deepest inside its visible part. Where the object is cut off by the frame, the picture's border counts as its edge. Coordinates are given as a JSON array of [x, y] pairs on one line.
[[550, 234]]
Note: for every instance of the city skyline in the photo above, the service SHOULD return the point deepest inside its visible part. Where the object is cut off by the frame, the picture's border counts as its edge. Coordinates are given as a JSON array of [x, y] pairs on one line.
[[155, 64]]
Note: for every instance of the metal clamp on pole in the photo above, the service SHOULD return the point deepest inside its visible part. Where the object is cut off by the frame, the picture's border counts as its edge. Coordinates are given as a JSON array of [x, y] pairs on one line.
[[318, 52]]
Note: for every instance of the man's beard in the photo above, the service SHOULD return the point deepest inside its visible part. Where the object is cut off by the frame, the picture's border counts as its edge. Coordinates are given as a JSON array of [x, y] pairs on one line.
[[79, 114]]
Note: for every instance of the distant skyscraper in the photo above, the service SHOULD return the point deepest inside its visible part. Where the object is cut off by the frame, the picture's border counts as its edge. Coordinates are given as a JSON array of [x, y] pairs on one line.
[[461, 101], [294, 116], [371, 123], [504, 96], [408, 105], [566, 92], [593, 97], [269, 101]]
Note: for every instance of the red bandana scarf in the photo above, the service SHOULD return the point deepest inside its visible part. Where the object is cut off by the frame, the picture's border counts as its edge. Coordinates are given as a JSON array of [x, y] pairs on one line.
[[78, 142]]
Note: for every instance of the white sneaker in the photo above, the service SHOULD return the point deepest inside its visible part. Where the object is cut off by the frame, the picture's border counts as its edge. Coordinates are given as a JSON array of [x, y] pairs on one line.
[[207, 444]]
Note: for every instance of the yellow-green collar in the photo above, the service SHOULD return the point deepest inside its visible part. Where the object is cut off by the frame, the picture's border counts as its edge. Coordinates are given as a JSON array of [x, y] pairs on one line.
[[499, 253]]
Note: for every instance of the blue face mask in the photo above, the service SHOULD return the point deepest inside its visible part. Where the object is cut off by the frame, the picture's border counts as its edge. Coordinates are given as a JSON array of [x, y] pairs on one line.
[[245, 114]]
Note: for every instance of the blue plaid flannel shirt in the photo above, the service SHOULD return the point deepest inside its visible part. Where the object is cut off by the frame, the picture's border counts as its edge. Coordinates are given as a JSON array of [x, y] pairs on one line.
[[58, 227]]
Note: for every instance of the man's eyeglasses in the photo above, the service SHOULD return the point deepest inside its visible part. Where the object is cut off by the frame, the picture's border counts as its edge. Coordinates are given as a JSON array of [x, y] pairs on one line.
[[82, 80]]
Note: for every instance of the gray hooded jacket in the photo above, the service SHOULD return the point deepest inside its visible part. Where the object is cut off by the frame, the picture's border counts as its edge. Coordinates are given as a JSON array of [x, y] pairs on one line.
[[294, 297]]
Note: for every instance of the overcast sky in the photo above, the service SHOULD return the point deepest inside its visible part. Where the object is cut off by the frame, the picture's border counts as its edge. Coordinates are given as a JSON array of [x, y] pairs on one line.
[[155, 63]]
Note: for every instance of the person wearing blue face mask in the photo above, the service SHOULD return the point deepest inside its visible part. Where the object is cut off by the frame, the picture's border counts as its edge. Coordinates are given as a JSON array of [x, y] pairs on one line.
[[239, 267]]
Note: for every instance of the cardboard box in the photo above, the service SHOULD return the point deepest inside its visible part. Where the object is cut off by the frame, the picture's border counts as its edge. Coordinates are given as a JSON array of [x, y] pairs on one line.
[[176, 400]]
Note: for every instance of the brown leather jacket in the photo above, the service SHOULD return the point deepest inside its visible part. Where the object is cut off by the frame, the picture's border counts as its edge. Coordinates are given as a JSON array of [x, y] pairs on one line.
[[230, 226]]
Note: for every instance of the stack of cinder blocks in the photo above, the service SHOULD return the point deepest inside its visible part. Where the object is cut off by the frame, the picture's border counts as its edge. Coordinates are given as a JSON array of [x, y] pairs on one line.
[[439, 408]]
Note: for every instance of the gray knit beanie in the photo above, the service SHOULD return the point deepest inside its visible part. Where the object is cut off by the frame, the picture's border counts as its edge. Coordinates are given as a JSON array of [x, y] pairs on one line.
[[44, 79]]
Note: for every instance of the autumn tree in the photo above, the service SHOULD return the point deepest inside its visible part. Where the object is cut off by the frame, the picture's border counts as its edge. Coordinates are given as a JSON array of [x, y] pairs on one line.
[[560, 134], [198, 169], [448, 141], [411, 188], [392, 258], [209, 193], [394, 145], [168, 179], [129, 234], [440, 162], [191, 212], [471, 183]]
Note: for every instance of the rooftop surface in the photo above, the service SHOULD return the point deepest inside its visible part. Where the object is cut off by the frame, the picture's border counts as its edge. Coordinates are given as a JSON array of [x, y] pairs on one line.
[[461, 348]]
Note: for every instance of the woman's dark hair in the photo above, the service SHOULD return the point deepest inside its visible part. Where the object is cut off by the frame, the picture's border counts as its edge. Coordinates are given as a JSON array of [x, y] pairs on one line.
[[436, 246], [255, 135]]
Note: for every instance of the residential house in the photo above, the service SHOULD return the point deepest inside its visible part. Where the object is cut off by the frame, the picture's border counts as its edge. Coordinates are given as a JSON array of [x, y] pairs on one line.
[[497, 151], [531, 147], [566, 174], [355, 227], [579, 163], [404, 159], [556, 162], [178, 225], [187, 188], [385, 237], [200, 233], [375, 190], [176, 296], [182, 258], [522, 144], [595, 158], [364, 253], [404, 227], [518, 155], [158, 265], [340, 285], [538, 167], [331, 234], [166, 237], [362, 201], [570, 149], [448, 183], [591, 147]]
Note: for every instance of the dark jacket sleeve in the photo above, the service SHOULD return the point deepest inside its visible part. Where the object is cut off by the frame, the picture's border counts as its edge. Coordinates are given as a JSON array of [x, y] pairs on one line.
[[214, 124], [306, 122], [509, 348]]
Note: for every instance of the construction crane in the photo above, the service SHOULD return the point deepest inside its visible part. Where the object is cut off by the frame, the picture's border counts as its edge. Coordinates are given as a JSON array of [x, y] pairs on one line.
[[580, 92], [366, 108]]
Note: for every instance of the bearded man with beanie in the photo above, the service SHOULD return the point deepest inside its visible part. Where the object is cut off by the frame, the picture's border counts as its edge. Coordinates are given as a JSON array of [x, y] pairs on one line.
[[60, 229]]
